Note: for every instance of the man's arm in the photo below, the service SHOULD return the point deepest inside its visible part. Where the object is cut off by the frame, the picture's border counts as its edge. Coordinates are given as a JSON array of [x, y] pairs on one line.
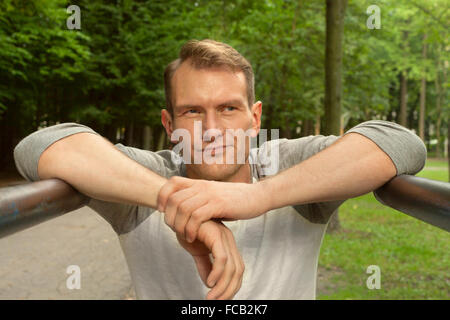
[[91, 164], [353, 165]]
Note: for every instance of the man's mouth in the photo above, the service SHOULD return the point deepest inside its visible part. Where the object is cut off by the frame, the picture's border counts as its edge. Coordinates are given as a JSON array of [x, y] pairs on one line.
[[213, 149]]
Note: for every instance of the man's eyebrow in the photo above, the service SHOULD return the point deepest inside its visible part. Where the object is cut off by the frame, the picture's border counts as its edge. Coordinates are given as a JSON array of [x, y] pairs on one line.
[[234, 102], [187, 106]]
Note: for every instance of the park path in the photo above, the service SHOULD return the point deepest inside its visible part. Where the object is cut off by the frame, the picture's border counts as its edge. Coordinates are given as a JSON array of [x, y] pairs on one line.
[[33, 262]]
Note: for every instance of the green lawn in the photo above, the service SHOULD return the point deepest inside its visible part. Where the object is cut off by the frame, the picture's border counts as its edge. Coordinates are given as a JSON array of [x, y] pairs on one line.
[[414, 257]]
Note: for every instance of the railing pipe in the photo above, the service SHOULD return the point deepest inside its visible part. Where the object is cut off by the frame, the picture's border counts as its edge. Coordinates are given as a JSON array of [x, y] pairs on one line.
[[23, 206], [26, 205], [425, 199]]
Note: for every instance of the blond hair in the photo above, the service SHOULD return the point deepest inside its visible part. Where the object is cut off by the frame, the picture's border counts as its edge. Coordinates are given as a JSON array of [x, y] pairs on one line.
[[209, 54]]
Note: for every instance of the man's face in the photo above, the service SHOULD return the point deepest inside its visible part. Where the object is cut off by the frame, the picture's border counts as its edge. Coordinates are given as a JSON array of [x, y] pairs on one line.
[[218, 98]]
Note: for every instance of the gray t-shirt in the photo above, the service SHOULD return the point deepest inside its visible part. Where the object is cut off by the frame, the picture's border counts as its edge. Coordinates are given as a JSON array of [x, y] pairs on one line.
[[280, 248]]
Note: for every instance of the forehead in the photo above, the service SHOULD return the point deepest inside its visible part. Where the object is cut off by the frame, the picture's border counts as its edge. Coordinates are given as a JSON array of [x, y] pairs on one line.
[[207, 86]]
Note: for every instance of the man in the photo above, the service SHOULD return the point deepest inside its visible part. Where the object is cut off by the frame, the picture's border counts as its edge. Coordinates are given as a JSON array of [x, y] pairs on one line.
[[277, 222]]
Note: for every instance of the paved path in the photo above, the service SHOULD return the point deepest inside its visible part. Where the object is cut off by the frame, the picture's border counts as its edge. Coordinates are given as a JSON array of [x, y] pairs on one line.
[[33, 262]]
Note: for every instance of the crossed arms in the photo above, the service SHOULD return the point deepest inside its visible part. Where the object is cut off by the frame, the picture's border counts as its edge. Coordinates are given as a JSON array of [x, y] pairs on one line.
[[351, 166]]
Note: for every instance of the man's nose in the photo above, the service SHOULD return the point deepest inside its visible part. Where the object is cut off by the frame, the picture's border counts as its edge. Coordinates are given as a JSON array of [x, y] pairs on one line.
[[211, 127]]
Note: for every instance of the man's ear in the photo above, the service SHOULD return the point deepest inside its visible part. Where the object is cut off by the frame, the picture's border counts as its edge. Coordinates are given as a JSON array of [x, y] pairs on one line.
[[167, 122], [256, 116]]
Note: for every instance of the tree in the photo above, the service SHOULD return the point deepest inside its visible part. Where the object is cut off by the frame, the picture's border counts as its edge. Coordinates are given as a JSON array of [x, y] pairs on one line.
[[423, 92], [333, 74], [39, 60], [108, 75]]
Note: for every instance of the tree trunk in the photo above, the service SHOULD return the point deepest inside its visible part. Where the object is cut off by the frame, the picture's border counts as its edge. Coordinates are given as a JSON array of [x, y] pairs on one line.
[[147, 139], [423, 92], [307, 128], [287, 131], [448, 148], [333, 65], [129, 131], [110, 132], [438, 81], [138, 136], [161, 140], [392, 112], [438, 111], [403, 99], [335, 12], [317, 125]]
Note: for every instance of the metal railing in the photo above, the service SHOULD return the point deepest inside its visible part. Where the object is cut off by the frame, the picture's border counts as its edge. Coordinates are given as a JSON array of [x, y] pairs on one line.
[[29, 204], [425, 199], [26, 205]]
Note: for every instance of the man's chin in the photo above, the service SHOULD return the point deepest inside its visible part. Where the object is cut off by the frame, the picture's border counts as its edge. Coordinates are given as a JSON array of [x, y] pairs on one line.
[[216, 172]]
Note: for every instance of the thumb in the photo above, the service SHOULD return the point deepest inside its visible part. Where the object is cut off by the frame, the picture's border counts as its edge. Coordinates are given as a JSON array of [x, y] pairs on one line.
[[204, 266]]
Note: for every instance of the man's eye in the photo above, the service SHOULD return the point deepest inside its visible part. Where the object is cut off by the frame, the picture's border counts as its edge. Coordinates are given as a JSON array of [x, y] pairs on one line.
[[192, 111], [229, 108]]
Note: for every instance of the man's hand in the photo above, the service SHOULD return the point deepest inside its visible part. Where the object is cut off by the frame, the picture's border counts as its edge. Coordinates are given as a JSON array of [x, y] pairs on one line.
[[227, 269], [187, 203]]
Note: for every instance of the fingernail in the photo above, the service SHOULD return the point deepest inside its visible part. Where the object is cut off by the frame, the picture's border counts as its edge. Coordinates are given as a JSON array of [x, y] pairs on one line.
[[212, 283]]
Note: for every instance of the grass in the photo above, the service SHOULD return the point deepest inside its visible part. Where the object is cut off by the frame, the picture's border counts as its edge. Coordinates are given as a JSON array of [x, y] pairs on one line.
[[436, 170], [414, 257], [436, 163]]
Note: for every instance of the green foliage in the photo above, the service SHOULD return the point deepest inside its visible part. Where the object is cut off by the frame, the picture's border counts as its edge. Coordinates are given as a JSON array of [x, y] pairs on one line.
[[38, 59], [109, 73]]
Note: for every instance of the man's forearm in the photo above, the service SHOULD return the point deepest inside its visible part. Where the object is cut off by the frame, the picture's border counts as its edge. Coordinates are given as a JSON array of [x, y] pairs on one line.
[[352, 166], [96, 168]]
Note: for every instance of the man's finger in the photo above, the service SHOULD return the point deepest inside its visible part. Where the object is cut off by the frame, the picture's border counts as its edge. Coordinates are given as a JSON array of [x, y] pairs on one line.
[[197, 217], [226, 277], [220, 259], [184, 211], [173, 202], [236, 281], [174, 184], [204, 266]]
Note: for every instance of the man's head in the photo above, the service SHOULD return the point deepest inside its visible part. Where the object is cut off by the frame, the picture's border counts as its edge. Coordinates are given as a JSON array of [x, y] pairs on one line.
[[212, 83]]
